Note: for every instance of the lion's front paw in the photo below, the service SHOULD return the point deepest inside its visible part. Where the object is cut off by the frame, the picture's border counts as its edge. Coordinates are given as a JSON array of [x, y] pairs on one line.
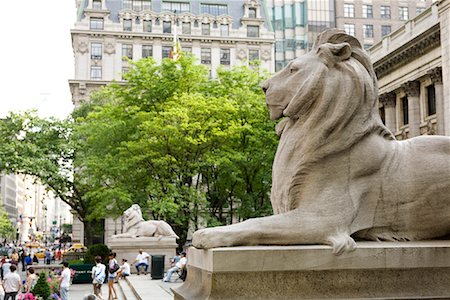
[[213, 237], [341, 243]]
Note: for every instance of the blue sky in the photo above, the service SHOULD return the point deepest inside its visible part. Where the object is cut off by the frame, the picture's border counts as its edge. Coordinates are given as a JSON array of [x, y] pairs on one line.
[[36, 55]]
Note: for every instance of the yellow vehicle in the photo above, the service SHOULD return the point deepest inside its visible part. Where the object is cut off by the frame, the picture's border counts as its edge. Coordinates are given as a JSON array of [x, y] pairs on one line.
[[76, 248], [40, 254]]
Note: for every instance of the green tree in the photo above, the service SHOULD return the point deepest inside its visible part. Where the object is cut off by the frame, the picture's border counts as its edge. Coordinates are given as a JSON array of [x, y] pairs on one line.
[[6, 228], [42, 287]]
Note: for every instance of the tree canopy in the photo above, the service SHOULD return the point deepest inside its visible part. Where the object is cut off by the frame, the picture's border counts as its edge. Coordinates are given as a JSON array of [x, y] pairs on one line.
[[182, 145]]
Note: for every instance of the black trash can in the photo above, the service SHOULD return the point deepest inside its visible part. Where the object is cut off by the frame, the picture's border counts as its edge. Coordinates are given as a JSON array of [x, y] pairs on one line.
[[157, 270]]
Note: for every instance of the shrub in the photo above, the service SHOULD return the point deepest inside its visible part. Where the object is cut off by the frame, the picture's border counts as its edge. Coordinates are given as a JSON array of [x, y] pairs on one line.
[[97, 249], [42, 287]]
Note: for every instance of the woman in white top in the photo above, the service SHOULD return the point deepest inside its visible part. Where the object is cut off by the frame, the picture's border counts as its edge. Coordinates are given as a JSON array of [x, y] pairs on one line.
[[112, 273], [98, 276]]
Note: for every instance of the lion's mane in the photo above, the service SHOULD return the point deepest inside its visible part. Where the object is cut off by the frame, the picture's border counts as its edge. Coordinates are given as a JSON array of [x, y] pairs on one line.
[[329, 118]]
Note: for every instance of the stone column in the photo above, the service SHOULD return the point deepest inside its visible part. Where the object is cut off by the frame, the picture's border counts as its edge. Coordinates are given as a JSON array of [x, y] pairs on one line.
[[442, 116], [412, 90], [388, 100], [77, 229], [444, 20]]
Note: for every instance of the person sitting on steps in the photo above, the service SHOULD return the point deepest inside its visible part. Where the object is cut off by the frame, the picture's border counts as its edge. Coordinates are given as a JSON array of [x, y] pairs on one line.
[[180, 265]]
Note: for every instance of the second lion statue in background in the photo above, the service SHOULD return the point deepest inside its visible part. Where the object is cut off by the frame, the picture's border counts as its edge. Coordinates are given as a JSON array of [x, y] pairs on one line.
[[136, 226], [338, 171]]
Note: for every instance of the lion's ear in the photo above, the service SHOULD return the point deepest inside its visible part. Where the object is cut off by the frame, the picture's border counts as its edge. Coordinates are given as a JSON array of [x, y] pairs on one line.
[[333, 53]]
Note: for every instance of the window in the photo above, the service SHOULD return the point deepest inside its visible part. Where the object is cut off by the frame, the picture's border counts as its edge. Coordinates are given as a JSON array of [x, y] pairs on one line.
[[279, 46], [385, 12], [431, 100], [405, 119], [96, 23], [419, 10], [127, 51], [253, 55], [166, 51], [349, 29], [279, 65], [125, 70], [206, 56], [127, 4], [186, 49], [186, 28], [288, 17], [214, 9], [368, 31], [137, 5], [385, 30], [127, 25], [367, 11], [224, 56], [147, 26], [146, 5], [278, 19], [206, 29], [382, 113], [224, 30], [147, 51], [290, 44], [252, 12], [403, 13], [367, 46], [177, 7], [252, 31], [167, 27], [96, 72], [349, 10], [97, 4], [96, 51]]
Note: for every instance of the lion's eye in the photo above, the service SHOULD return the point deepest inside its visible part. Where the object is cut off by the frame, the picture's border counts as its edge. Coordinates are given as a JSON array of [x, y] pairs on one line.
[[293, 70]]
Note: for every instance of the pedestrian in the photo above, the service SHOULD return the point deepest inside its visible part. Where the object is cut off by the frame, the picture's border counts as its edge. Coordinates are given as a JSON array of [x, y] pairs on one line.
[[64, 281], [142, 261], [35, 259], [124, 270], [48, 256], [28, 261], [98, 276], [11, 283], [180, 265], [31, 280], [112, 270], [5, 267]]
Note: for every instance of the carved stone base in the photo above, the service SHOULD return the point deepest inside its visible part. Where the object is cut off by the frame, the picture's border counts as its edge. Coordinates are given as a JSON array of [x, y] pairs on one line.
[[128, 248], [374, 270]]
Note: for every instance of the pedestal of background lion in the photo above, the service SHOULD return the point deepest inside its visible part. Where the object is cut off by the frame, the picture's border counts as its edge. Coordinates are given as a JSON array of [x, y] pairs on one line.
[[339, 175]]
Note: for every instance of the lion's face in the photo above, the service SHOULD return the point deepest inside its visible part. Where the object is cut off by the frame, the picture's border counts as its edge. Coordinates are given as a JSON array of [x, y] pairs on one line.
[[132, 212], [299, 79]]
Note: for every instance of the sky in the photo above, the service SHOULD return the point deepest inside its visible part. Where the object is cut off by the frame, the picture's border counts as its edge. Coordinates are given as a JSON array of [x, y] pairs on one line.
[[36, 57]]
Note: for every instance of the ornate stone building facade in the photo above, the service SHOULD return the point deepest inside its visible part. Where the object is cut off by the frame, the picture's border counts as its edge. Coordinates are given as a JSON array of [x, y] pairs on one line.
[[412, 65], [219, 33]]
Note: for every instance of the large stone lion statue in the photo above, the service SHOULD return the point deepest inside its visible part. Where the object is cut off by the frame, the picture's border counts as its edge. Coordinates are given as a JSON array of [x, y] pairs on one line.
[[338, 171], [135, 226]]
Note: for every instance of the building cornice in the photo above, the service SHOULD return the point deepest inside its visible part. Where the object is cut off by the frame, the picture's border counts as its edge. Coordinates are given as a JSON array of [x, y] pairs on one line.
[[411, 50], [183, 38]]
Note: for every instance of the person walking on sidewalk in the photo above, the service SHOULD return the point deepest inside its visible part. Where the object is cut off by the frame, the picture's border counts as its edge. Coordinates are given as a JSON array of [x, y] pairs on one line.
[[64, 281], [98, 276], [142, 261], [112, 270], [11, 284]]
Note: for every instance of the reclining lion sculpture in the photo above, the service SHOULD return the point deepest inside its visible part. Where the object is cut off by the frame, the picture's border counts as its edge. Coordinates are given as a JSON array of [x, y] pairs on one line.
[[136, 226], [338, 170]]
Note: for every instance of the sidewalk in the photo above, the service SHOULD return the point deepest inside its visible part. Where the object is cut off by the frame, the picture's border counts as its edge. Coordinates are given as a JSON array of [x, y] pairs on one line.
[[143, 287]]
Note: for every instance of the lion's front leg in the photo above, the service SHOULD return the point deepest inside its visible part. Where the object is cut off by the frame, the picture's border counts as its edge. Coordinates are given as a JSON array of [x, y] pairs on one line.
[[291, 228]]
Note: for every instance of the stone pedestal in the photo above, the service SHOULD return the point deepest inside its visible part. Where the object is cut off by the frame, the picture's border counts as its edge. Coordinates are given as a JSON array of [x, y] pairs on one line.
[[128, 248], [374, 270]]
